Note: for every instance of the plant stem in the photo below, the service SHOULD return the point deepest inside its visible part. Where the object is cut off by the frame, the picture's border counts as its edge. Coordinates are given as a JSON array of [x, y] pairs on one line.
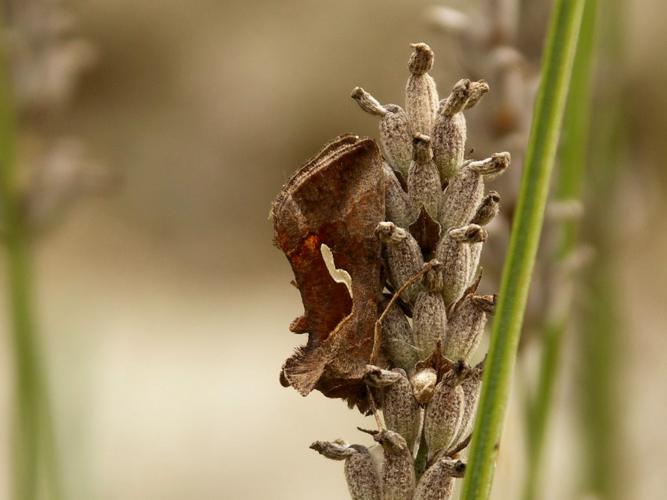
[[573, 158], [27, 428], [574, 148], [599, 335], [527, 226], [32, 418]]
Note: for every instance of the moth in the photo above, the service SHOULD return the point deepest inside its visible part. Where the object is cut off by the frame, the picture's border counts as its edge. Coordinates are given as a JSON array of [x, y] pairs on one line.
[[336, 199]]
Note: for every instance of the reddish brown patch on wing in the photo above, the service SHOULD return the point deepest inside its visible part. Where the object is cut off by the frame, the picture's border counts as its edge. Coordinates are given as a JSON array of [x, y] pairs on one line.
[[336, 199]]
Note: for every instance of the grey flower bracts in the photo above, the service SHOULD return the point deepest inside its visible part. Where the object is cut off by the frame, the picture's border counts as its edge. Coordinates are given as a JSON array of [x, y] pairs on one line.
[[422, 386]]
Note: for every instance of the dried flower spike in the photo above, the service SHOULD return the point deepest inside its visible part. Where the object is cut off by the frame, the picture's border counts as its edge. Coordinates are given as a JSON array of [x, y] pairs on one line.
[[419, 384]]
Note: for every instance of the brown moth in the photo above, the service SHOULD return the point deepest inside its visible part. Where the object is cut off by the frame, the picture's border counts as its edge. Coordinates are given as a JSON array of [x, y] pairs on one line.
[[335, 199]]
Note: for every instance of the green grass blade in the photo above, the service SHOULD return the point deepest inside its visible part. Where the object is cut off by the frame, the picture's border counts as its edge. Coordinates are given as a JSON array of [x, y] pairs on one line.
[[569, 186], [527, 225]]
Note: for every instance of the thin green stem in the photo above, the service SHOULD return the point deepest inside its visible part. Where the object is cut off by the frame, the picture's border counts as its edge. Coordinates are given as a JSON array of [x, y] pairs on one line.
[[569, 186], [527, 225], [33, 431], [601, 326], [27, 428]]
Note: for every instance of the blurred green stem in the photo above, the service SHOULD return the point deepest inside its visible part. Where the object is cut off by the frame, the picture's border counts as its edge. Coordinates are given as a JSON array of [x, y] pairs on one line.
[[556, 72], [32, 419], [26, 392], [601, 325], [573, 160]]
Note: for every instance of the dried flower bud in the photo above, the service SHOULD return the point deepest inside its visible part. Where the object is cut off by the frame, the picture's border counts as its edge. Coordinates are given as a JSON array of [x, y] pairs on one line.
[[398, 473], [395, 130], [490, 167], [423, 179], [423, 385], [397, 340], [367, 102], [487, 210], [397, 202], [477, 91], [473, 262], [421, 60], [466, 326], [449, 131], [443, 416], [335, 450], [437, 483], [449, 128], [454, 252], [401, 410], [363, 480], [377, 377], [429, 316], [456, 101], [396, 139], [404, 257], [471, 386], [421, 94], [465, 192]]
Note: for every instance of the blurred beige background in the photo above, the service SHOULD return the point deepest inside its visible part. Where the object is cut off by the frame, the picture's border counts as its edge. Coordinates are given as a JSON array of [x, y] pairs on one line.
[[164, 307]]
